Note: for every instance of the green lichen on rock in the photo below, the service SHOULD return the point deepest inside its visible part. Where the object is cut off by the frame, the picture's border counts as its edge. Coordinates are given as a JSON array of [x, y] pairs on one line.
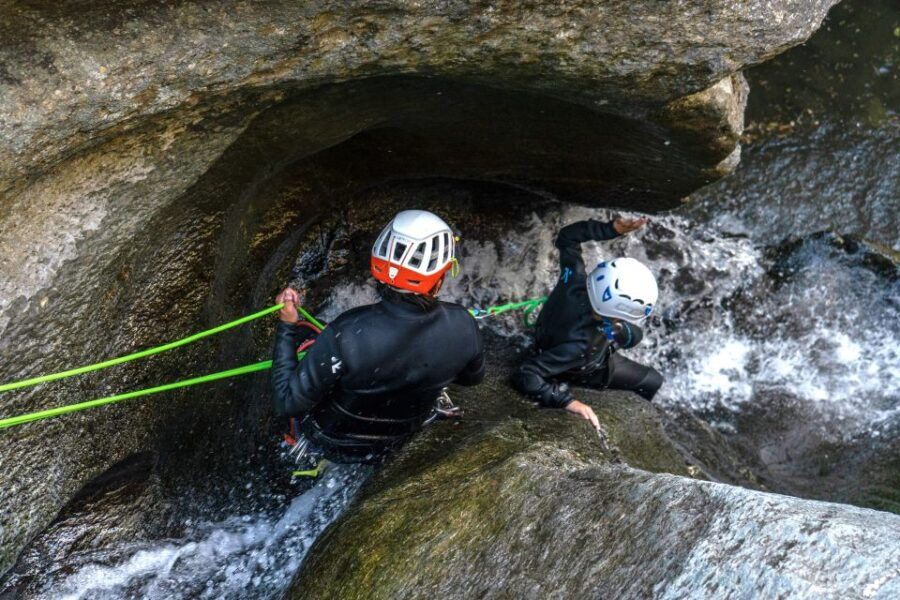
[[532, 507], [459, 488]]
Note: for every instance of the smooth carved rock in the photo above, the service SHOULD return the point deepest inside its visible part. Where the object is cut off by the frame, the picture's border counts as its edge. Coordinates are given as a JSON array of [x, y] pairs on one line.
[[712, 120], [73, 75], [142, 146], [537, 515]]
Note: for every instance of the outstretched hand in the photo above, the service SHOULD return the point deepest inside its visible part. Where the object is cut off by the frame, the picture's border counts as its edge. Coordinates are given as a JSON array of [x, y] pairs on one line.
[[585, 412], [290, 298], [623, 225]]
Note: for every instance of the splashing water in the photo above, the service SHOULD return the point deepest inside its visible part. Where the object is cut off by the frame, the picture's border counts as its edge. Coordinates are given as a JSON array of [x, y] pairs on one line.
[[737, 325], [243, 556], [735, 321]]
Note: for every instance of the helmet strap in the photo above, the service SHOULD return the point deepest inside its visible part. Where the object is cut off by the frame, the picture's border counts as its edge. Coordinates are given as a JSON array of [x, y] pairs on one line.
[[437, 286], [608, 328]]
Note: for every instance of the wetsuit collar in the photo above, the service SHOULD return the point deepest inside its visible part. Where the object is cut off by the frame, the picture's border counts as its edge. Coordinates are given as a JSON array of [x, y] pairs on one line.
[[404, 309]]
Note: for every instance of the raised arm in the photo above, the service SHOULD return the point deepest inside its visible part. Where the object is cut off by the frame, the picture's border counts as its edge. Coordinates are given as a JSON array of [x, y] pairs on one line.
[[569, 240], [571, 237]]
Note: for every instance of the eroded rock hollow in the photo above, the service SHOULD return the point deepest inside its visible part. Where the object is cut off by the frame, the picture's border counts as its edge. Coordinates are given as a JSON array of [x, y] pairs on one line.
[[160, 165]]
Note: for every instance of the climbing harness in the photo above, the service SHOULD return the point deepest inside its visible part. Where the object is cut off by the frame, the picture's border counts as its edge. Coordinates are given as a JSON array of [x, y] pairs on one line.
[[529, 305], [300, 452]]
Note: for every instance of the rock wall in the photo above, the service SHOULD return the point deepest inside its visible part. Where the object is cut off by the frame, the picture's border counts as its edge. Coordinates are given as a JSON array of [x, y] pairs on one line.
[[144, 150], [73, 74]]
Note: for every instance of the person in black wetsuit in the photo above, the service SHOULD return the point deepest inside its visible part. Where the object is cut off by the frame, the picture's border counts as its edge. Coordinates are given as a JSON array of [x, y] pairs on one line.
[[374, 375], [586, 320]]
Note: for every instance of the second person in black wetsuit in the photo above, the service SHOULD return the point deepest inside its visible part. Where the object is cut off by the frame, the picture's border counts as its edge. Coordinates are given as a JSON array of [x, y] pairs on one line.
[[374, 375], [586, 320]]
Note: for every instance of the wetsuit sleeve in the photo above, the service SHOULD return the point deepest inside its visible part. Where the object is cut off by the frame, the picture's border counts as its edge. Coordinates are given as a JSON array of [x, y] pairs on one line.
[[570, 238], [473, 373], [301, 384], [533, 377], [626, 335]]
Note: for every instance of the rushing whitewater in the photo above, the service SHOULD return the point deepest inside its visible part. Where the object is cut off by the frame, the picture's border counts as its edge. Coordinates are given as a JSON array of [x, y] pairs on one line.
[[251, 555], [737, 326], [726, 329]]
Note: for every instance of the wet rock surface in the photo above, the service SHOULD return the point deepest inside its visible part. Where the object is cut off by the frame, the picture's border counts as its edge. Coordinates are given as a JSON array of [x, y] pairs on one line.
[[823, 133], [161, 163], [530, 506], [73, 75]]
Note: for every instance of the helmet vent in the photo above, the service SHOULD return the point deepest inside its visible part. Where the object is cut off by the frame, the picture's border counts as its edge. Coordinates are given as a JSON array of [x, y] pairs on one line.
[[617, 281], [383, 242], [435, 253], [418, 256]]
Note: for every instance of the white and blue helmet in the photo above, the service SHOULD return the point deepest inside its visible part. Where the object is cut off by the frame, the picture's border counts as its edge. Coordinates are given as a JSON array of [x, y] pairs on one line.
[[622, 289]]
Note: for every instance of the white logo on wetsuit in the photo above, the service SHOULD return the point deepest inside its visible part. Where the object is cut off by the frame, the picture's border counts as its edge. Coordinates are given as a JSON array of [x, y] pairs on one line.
[[336, 364]]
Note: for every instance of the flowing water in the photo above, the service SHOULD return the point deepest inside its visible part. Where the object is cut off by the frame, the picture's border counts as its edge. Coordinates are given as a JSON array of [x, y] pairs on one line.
[[735, 319], [251, 554], [757, 316], [738, 324]]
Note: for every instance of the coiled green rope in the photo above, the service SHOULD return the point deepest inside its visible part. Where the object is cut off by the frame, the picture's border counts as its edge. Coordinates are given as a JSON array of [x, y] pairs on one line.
[[260, 366]]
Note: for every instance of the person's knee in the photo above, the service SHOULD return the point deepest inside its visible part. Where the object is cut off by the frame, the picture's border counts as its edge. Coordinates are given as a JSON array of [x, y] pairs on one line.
[[650, 384]]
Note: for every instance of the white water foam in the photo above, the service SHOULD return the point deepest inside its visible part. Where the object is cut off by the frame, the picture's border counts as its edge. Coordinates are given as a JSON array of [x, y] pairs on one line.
[[829, 336], [244, 556]]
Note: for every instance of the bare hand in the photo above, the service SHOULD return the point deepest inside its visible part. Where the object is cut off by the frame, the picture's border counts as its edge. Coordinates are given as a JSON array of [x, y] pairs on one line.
[[290, 298], [585, 412], [623, 225]]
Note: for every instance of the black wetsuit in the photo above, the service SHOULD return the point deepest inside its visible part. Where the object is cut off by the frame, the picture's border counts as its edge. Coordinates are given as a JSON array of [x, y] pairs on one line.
[[373, 376], [573, 346]]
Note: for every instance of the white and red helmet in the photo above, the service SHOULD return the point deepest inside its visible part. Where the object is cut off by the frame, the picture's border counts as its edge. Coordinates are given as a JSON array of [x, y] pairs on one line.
[[414, 252]]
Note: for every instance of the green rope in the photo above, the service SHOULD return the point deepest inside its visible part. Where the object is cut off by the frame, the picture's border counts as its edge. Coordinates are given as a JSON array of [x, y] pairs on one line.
[[530, 305], [142, 354], [314, 472], [71, 408], [157, 350], [306, 316]]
